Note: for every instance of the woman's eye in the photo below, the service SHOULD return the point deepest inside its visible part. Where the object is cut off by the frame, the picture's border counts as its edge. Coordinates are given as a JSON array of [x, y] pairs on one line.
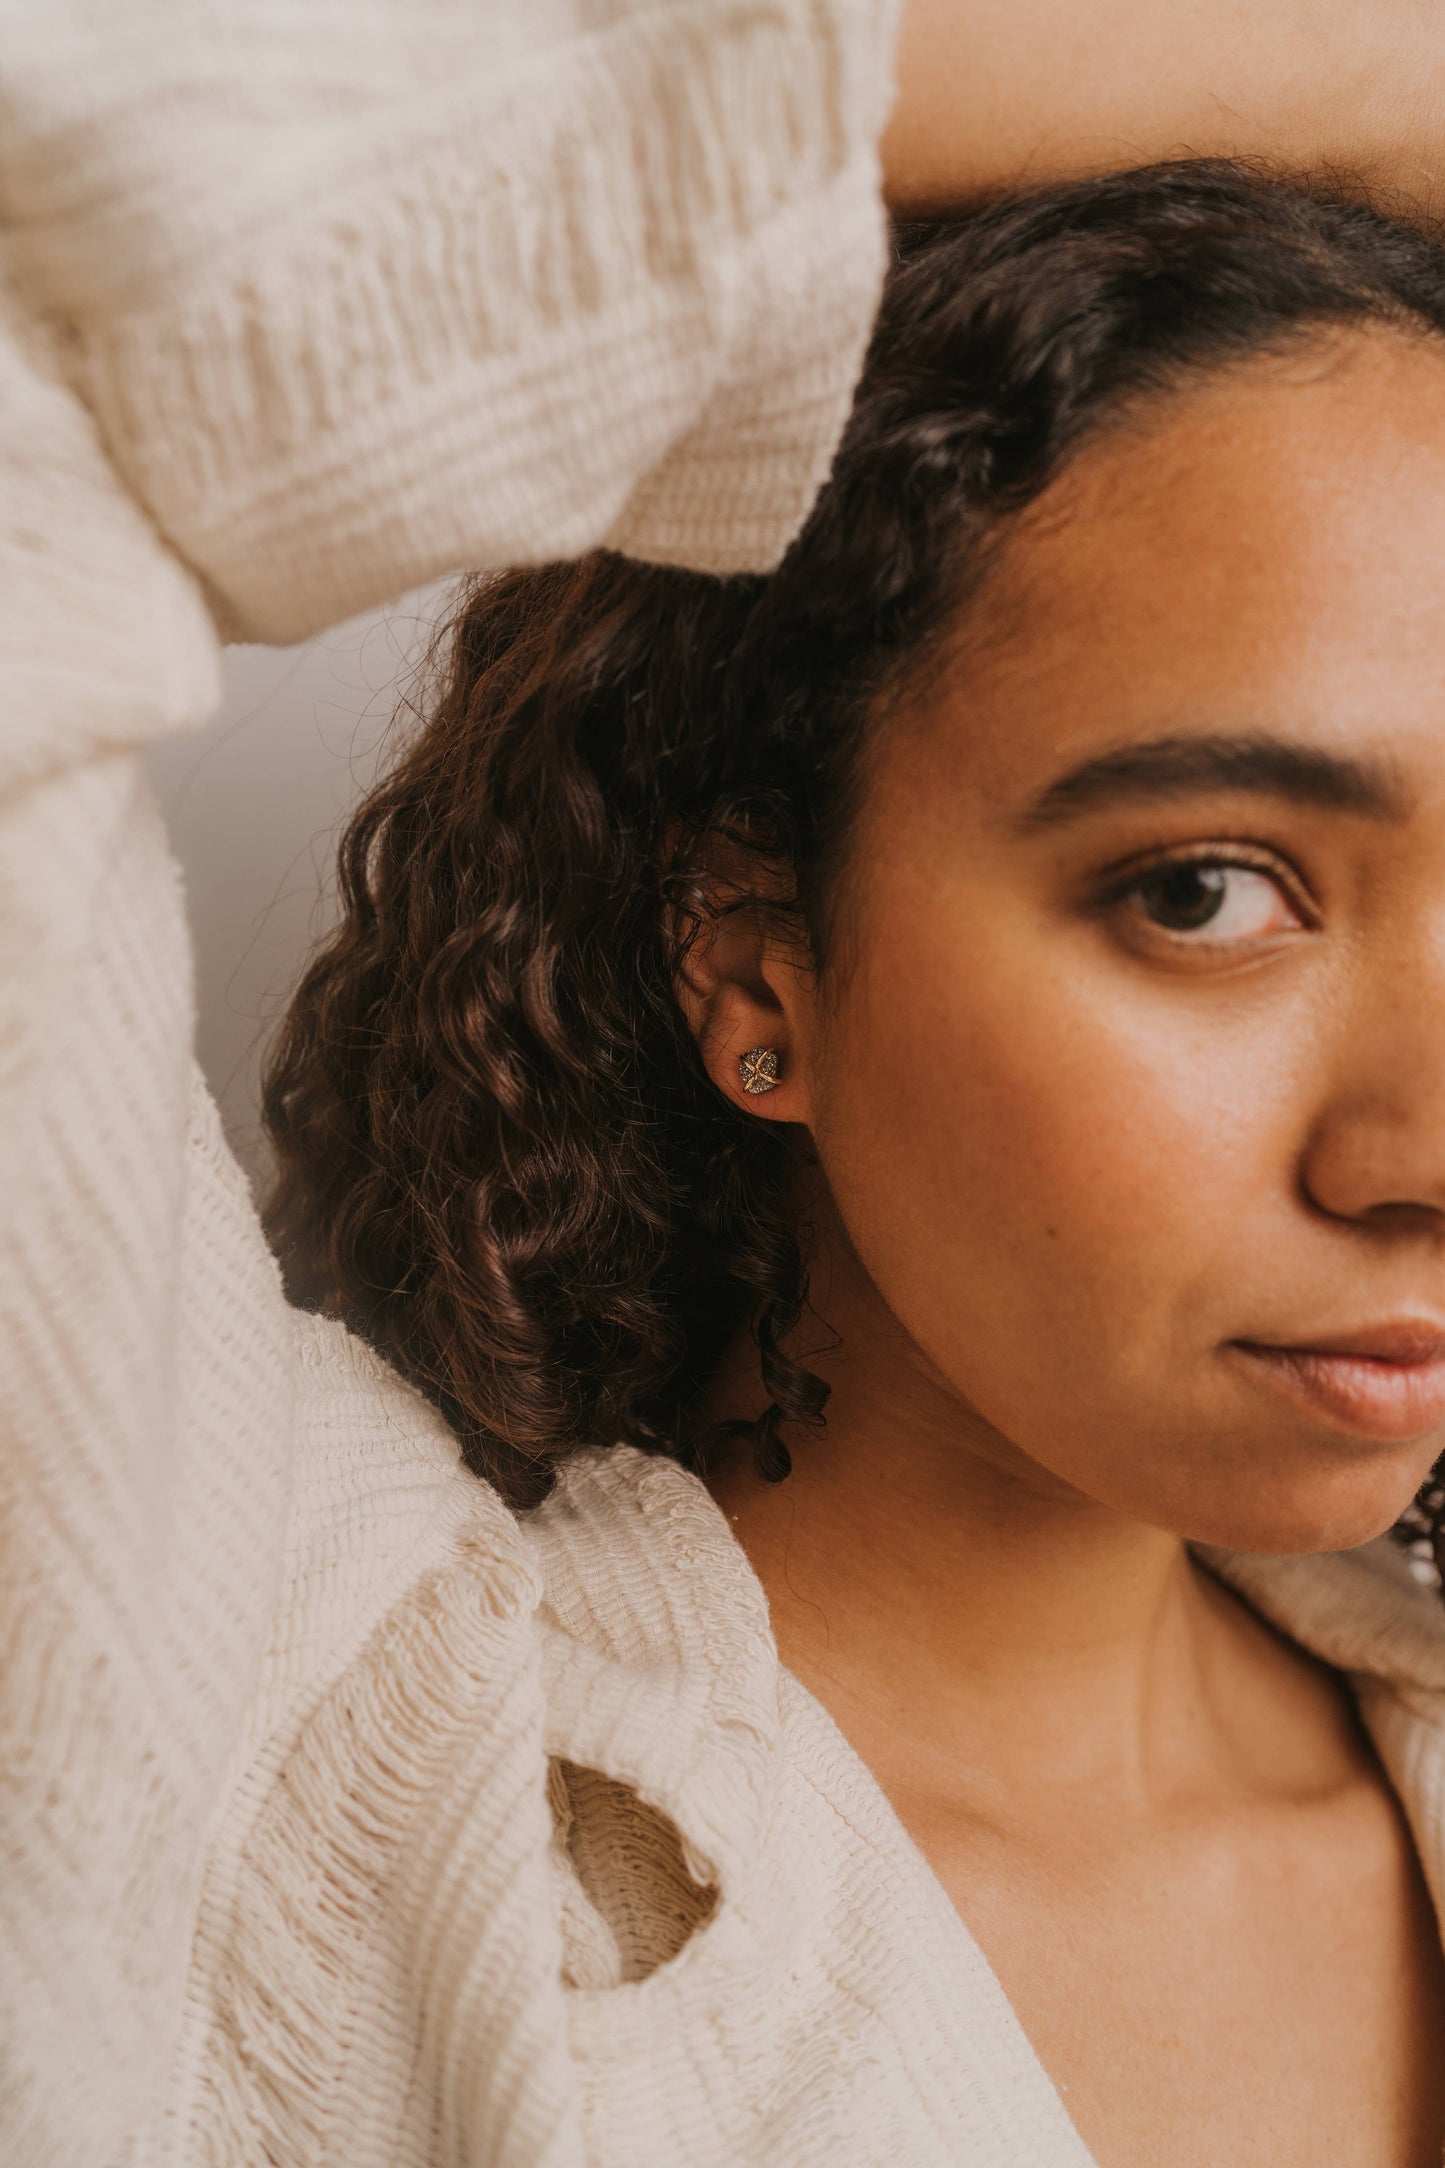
[[1228, 903]]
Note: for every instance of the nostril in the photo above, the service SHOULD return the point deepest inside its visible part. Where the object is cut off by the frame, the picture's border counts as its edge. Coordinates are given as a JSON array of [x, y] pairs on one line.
[[1376, 1159]]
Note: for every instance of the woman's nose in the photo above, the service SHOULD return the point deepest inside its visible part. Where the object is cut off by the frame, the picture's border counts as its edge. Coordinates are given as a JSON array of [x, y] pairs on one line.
[[1376, 1153]]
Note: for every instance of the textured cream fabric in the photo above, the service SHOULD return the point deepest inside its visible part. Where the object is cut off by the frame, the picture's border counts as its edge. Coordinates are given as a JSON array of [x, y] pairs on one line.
[[301, 302], [344, 1818]]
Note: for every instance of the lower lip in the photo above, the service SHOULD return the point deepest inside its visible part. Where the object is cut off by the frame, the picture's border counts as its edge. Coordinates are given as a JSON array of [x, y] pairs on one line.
[[1375, 1399]]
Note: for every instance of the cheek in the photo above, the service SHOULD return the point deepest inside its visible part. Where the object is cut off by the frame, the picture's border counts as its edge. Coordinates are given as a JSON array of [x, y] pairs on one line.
[[1027, 1136]]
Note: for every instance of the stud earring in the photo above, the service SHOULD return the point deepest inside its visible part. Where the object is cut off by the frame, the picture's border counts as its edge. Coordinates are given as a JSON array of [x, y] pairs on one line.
[[758, 1069]]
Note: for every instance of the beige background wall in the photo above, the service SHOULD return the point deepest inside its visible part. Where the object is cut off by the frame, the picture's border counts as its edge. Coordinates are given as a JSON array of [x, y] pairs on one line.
[[253, 805]]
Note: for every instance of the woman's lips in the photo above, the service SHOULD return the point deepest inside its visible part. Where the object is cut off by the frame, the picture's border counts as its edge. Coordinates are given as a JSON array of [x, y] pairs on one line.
[[1385, 1382]]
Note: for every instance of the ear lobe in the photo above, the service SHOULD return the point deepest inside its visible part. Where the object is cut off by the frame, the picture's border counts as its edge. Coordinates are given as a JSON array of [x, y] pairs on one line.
[[737, 996]]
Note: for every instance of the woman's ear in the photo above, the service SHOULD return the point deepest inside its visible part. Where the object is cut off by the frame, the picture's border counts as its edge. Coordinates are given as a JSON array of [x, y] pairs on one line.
[[745, 987]]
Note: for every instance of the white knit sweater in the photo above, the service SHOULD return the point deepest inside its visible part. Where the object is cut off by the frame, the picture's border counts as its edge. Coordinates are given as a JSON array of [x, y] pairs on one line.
[[344, 1819]]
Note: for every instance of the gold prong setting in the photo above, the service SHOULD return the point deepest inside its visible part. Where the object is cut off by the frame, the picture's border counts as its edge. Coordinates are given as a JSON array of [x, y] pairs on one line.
[[758, 1069]]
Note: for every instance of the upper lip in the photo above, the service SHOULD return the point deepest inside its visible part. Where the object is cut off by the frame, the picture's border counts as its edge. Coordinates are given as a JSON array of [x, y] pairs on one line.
[[1414, 1340]]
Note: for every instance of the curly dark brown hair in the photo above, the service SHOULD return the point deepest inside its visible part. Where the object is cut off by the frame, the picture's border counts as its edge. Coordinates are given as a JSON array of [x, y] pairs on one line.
[[500, 1157]]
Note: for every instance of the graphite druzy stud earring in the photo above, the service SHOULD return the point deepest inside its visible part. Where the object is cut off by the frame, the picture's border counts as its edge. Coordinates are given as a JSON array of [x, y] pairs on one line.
[[758, 1069]]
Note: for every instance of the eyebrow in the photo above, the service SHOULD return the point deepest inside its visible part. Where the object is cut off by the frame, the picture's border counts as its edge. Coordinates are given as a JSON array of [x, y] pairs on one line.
[[1181, 767]]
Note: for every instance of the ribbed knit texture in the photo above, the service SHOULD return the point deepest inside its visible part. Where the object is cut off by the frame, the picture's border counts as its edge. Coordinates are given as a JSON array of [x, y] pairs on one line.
[[347, 1821]]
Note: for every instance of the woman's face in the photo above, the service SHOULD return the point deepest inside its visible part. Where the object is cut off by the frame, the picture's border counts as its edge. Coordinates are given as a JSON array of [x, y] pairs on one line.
[[1129, 1078]]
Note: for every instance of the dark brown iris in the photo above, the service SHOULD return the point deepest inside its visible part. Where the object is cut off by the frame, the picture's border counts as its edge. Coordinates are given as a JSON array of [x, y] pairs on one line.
[[1183, 897]]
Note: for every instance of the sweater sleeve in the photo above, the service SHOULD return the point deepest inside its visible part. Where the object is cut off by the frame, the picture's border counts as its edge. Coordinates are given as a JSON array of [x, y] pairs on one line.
[[300, 305], [362, 291]]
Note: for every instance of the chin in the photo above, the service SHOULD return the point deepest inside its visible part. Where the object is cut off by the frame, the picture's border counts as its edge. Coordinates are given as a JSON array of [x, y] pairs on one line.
[[1318, 1510]]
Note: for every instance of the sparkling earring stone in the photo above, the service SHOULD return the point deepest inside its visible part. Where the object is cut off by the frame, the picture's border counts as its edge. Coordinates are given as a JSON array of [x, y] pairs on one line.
[[758, 1069]]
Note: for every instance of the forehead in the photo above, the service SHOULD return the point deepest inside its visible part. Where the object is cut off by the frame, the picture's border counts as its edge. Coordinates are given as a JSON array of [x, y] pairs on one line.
[[1261, 550]]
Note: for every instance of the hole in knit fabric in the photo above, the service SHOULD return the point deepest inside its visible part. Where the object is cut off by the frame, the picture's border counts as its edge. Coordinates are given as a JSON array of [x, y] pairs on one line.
[[633, 1903]]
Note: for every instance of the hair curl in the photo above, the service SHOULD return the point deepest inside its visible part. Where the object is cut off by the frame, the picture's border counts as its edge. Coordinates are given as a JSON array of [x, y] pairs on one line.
[[500, 1157]]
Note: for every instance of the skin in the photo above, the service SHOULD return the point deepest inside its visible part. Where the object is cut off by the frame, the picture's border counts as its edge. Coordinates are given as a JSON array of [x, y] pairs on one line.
[[1009, 91], [1066, 1165]]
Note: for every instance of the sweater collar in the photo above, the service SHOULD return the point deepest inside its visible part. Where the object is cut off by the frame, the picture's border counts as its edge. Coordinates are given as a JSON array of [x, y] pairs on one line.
[[659, 1664]]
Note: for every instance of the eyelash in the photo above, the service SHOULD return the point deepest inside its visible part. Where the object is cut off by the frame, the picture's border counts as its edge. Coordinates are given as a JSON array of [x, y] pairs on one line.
[[1210, 857]]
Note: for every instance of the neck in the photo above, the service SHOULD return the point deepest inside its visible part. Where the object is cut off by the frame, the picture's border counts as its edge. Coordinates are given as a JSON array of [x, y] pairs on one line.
[[955, 1606]]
